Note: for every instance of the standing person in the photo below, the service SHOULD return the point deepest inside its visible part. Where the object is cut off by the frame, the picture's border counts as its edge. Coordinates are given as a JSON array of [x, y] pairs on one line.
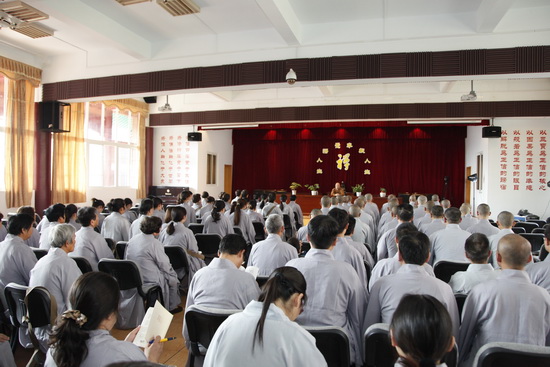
[[90, 244], [265, 332], [298, 210], [448, 243], [116, 226], [81, 336], [217, 222], [271, 207], [252, 213]]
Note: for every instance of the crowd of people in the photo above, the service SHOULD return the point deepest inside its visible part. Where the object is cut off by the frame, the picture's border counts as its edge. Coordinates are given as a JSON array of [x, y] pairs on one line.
[[352, 266]]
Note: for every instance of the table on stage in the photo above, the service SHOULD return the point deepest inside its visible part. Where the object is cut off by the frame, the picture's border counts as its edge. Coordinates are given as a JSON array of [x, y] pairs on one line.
[[309, 202]]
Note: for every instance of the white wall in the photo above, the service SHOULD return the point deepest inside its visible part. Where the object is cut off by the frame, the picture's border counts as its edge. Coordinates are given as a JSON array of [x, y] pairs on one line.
[[512, 199], [476, 145], [220, 143]]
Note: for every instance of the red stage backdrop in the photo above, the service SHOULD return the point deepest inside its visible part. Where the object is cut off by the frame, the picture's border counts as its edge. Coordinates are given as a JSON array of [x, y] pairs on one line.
[[400, 159]]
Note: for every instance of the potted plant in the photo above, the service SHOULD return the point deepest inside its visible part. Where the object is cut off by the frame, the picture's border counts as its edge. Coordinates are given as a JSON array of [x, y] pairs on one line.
[[313, 188], [382, 192], [294, 187], [358, 189]]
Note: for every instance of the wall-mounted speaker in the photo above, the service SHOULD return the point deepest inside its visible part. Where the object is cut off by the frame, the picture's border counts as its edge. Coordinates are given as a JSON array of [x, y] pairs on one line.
[[54, 117], [150, 99], [491, 132], [194, 136]]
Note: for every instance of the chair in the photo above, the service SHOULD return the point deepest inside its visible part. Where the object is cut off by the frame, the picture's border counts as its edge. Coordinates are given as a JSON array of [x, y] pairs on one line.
[[39, 253], [444, 270], [260, 233], [208, 244], [15, 300], [120, 249], [540, 223], [238, 231], [261, 281], [110, 243], [333, 343], [518, 230], [460, 299], [535, 239], [512, 354], [527, 225], [83, 264], [127, 274], [380, 353], [41, 312], [178, 259], [196, 227], [538, 230], [202, 323]]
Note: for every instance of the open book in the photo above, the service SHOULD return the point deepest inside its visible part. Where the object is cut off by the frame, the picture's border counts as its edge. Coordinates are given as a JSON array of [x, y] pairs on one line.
[[156, 322]]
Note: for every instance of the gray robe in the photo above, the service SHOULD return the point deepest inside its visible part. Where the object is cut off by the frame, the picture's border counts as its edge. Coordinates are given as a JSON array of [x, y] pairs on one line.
[[92, 246], [467, 221], [336, 296], [298, 210], [16, 261], [34, 239], [343, 251], [285, 342], [540, 273], [246, 226], [222, 227], [448, 244], [391, 266], [362, 249], [386, 246], [6, 356], [493, 241], [483, 226], [135, 226], [271, 254], [507, 309], [116, 227], [191, 216], [464, 281], [437, 224], [45, 243]]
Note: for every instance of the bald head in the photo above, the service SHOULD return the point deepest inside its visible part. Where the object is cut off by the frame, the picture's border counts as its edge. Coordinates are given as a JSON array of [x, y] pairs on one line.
[[483, 211], [505, 220], [514, 252], [446, 204]]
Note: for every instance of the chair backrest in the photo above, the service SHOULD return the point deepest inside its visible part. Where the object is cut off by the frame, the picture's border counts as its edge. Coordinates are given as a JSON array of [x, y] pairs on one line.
[[208, 243], [41, 307], [444, 270], [120, 250], [538, 230], [178, 257], [260, 233], [528, 226], [202, 323], [512, 354], [306, 246], [39, 253], [535, 239], [518, 230], [126, 272], [196, 227], [261, 281], [460, 299], [238, 231], [83, 264], [110, 243], [539, 223], [15, 299], [333, 343]]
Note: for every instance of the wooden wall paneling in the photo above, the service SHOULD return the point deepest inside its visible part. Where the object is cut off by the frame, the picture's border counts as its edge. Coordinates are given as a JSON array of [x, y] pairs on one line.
[[472, 62], [344, 67], [393, 65], [501, 61]]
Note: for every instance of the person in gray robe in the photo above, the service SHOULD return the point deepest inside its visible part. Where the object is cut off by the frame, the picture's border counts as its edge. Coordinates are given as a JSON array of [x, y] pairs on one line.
[[271, 207], [6, 355], [296, 208], [154, 265], [336, 296], [34, 240], [56, 272], [426, 219], [505, 222], [55, 215], [386, 246], [145, 210], [158, 207], [90, 244], [437, 221], [206, 208], [467, 219], [448, 243], [238, 218], [184, 199], [540, 272], [217, 222], [507, 309], [362, 233], [116, 226], [272, 252], [177, 234], [483, 225], [411, 278], [221, 284], [16, 258], [252, 213], [360, 247]]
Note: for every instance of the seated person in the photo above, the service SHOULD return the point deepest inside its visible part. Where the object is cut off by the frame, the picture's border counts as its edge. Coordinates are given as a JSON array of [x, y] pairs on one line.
[[540, 272], [483, 225], [272, 252], [90, 244], [71, 211], [437, 223], [34, 240], [154, 265], [484, 319], [238, 218], [302, 232], [116, 226], [421, 330], [55, 214], [360, 247], [145, 210], [217, 222], [265, 328], [337, 190], [478, 252], [448, 243], [81, 336]]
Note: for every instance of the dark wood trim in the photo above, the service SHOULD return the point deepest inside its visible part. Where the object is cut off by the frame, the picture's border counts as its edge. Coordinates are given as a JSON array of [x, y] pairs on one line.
[[358, 112], [518, 60], [149, 148], [42, 168]]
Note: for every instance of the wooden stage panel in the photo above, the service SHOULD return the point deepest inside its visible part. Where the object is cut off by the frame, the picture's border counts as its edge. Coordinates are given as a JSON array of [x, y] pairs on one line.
[[309, 202]]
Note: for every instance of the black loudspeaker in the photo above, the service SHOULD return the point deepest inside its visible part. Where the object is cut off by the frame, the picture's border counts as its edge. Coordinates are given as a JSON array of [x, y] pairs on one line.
[[150, 99], [491, 132], [194, 136], [51, 117]]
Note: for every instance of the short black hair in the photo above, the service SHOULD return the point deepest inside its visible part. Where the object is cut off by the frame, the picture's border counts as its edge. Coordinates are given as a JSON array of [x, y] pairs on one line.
[[340, 216], [405, 229], [453, 215], [405, 212], [232, 244], [55, 211], [415, 248], [322, 231], [477, 247], [145, 205], [351, 226], [150, 225], [86, 214], [17, 223], [437, 211]]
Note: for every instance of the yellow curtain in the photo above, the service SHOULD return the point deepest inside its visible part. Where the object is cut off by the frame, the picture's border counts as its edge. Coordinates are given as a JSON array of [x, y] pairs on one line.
[[142, 109], [16, 70], [69, 164], [19, 169]]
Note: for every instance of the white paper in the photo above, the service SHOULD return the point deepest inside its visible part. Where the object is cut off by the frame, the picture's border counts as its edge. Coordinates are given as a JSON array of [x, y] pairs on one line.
[[156, 322], [253, 270]]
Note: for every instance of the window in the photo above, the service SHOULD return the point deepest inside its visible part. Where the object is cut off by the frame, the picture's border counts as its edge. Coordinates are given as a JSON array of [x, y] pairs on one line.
[[3, 106], [211, 169], [112, 138]]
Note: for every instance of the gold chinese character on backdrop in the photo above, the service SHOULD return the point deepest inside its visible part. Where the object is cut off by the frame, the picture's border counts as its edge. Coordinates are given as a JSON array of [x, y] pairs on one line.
[[319, 160], [337, 145], [325, 150], [343, 161], [361, 150], [319, 171], [349, 145], [367, 161], [367, 172]]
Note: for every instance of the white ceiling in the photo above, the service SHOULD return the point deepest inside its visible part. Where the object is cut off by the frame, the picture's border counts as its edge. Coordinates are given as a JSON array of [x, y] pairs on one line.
[[96, 38]]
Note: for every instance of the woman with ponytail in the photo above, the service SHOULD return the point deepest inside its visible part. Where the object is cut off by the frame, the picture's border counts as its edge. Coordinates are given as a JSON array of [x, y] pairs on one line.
[[238, 218], [116, 226], [422, 331], [217, 222], [81, 336], [177, 234], [265, 332]]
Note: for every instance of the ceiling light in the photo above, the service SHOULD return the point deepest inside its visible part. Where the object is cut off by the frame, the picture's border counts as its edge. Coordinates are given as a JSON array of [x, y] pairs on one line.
[[438, 122], [179, 7], [214, 127], [23, 11], [34, 30], [166, 107], [472, 96], [131, 2]]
